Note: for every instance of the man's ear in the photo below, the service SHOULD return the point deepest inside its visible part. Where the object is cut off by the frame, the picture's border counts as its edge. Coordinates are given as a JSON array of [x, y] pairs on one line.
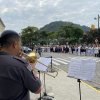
[[14, 45]]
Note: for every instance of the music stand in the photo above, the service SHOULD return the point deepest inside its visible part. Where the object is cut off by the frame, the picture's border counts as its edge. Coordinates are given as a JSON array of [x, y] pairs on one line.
[[39, 78], [51, 70], [78, 80], [44, 96], [82, 69]]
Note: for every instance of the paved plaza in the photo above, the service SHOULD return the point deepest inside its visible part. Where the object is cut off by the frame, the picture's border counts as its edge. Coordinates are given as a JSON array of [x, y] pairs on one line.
[[66, 88]]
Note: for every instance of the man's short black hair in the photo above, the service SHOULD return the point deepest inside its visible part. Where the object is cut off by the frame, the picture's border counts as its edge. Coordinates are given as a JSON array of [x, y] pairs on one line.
[[8, 37]]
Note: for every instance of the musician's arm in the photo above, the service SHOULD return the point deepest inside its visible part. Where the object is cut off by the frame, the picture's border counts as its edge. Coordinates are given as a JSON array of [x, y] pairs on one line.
[[31, 81]]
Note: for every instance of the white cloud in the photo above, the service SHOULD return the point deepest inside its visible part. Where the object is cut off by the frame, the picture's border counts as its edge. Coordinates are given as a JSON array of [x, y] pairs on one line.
[[4, 10], [48, 2], [17, 14]]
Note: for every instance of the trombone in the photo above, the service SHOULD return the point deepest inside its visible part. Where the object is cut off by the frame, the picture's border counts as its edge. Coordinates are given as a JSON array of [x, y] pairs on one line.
[[32, 58]]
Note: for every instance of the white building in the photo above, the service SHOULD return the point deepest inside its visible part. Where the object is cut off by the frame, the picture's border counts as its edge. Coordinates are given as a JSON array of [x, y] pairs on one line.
[[2, 26]]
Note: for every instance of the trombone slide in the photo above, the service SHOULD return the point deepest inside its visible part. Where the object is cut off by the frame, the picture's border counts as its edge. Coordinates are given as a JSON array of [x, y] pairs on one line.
[[32, 58]]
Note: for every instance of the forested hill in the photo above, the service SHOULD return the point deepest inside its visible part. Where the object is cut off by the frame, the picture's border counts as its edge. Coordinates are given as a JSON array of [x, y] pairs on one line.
[[54, 26]]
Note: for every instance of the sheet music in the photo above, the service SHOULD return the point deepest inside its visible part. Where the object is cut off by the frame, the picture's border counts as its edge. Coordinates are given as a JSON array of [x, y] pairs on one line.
[[82, 68], [43, 61]]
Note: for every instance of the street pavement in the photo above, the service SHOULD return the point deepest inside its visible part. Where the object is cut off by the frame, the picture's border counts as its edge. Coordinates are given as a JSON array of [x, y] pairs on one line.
[[66, 88]]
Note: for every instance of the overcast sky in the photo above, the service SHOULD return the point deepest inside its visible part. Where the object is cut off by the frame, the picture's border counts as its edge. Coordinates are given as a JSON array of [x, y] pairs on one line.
[[18, 14]]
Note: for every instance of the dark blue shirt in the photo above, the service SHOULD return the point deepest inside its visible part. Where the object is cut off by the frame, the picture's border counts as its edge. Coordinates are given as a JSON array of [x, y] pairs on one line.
[[15, 79]]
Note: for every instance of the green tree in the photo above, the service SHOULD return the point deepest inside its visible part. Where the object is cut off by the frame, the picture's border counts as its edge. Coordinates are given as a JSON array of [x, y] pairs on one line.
[[42, 37], [29, 35], [71, 33]]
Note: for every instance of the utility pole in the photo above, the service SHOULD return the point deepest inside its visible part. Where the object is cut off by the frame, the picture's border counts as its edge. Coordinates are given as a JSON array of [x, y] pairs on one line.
[[96, 40], [97, 18]]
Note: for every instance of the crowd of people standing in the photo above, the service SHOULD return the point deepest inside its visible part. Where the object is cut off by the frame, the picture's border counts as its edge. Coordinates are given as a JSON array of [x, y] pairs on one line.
[[79, 49]]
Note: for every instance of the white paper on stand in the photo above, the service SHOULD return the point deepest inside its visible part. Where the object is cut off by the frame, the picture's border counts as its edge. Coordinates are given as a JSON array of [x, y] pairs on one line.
[[81, 68], [43, 61]]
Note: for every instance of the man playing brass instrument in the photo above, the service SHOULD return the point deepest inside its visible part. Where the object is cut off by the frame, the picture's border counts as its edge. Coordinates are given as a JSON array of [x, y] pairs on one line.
[[15, 79]]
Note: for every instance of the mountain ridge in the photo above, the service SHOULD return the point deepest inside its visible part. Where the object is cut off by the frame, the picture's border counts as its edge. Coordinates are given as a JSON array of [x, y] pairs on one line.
[[54, 26]]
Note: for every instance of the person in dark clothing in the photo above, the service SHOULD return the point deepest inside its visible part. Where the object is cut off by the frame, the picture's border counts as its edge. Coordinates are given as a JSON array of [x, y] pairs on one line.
[[39, 51], [16, 80]]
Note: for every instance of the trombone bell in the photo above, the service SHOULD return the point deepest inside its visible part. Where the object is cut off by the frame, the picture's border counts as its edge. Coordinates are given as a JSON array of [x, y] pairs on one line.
[[31, 57]]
